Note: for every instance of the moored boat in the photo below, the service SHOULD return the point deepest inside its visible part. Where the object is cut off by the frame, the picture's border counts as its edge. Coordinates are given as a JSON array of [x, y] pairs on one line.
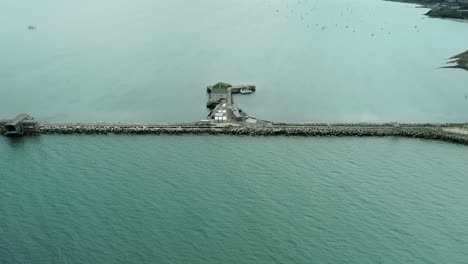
[[245, 91]]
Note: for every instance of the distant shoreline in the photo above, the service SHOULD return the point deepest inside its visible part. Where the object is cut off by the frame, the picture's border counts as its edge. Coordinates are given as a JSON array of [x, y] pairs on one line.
[[460, 61], [444, 10], [441, 9]]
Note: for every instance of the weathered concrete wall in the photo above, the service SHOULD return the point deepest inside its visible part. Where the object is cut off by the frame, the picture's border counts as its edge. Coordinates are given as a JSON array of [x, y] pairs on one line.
[[2, 125]]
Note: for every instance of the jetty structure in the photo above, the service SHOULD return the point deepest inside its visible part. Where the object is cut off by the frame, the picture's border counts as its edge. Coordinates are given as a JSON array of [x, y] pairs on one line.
[[21, 125], [222, 107], [226, 118]]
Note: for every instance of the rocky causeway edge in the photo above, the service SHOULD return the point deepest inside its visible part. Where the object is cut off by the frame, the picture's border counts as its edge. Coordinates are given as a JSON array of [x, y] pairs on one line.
[[454, 133]]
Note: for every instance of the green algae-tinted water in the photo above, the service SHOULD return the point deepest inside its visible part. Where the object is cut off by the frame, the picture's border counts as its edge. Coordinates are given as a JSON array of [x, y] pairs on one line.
[[202, 199]]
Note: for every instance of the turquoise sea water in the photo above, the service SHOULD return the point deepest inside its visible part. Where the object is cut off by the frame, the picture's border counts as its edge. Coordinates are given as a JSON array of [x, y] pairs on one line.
[[200, 199]]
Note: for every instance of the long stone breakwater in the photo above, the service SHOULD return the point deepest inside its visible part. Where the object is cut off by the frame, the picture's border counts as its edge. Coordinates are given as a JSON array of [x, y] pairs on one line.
[[454, 133]]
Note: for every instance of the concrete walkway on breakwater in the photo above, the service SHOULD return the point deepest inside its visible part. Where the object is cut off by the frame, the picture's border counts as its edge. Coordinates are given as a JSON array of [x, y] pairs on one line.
[[455, 133]]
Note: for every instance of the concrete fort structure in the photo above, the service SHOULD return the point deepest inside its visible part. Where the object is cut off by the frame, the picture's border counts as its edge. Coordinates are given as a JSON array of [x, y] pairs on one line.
[[22, 124]]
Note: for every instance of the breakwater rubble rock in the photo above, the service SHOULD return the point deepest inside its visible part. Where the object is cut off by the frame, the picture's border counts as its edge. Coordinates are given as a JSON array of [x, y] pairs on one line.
[[420, 132]]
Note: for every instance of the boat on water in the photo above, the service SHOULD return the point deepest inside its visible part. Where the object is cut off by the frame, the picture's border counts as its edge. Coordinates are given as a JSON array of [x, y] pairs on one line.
[[31, 27], [245, 91]]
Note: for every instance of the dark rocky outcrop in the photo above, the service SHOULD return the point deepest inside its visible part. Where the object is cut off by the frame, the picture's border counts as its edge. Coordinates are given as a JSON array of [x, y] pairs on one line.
[[460, 61]]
